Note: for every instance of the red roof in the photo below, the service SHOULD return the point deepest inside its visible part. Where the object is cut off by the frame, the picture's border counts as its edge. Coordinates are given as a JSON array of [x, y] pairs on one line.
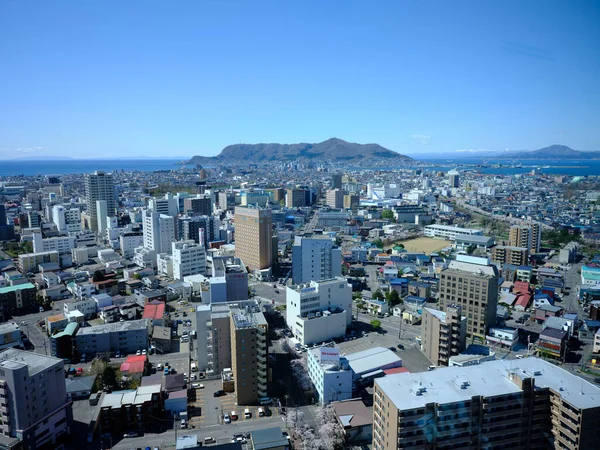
[[134, 364], [396, 370], [154, 310], [521, 286], [523, 300]]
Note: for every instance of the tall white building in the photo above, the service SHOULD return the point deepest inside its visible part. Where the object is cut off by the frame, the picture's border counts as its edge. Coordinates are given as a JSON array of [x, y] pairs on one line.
[[99, 186], [102, 216], [189, 258], [319, 311], [58, 217], [159, 231], [315, 259], [168, 205], [130, 241]]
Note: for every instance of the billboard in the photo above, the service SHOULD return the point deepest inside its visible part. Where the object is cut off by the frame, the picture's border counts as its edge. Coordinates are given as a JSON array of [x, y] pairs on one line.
[[330, 354]]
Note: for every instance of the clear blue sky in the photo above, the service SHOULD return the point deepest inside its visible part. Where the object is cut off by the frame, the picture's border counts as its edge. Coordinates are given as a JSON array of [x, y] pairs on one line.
[[131, 78]]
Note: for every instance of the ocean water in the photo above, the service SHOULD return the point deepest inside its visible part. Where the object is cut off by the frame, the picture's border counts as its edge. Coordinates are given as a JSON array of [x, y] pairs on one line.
[[571, 167], [31, 167]]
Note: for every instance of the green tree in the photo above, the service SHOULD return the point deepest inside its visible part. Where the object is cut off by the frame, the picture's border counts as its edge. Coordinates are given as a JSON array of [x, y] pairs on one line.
[[393, 298], [471, 248], [137, 276], [387, 214], [378, 295], [98, 276], [376, 324], [378, 243]]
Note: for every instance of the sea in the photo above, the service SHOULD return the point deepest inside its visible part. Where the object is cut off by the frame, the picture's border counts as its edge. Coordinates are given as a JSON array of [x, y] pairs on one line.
[[570, 167]]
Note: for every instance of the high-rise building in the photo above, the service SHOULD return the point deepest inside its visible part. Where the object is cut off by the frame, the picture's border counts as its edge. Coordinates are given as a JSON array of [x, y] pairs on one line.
[[159, 231], [520, 404], [507, 254], [168, 205], [99, 186], [7, 232], [314, 258], [218, 343], [351, 201], [443, 334], [201, 229], [454, 178], [102, 216], [471, 283], [253, 237], [35, 408], [335, 198], [189, 258], [528, 236], [201, 205], [295, 198], [336, 181], [229, 280], [249, 353]]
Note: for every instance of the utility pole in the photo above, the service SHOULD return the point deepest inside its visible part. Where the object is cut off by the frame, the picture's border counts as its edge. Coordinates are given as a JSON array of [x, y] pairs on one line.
[[400, 326]]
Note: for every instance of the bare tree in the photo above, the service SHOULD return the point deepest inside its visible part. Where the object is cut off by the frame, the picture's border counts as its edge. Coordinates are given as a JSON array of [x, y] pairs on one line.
[[329, 429], [299, 371]]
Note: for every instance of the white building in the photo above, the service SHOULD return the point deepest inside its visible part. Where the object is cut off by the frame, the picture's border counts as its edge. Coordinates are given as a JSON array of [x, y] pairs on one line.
[[189, 258], [315, 259], [503, 337], [60, 244], [87, 306], [129, 242], [319, 311], [99, 186], [449, 232], [229, 281], [327, 219], [168, 205], [164, 264], [159, 231], [58, 217], [102, 216], [66, 219], [330, 374], [82, 290]]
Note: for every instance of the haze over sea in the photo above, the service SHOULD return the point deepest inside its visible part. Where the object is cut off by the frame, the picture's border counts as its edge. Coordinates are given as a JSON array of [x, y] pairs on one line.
[[556, 167]]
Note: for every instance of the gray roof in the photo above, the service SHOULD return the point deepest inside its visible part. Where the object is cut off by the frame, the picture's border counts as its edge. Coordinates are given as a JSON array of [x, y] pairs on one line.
[[473, 238], [80, 384], [115, 327], [268, 438], [8, 327], [372, 359], [443, 385], [12, 359]]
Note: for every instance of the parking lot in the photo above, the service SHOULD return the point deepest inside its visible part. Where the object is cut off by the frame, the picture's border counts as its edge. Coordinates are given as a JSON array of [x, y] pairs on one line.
[[207, 410]]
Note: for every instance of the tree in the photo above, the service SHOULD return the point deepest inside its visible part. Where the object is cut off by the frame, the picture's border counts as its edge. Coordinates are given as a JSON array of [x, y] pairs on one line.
[[330, 431], [137, 276], [393, 298], [377, 295], [98, 276], [471, 248], [387, 214], [376, 324], [378, 243]]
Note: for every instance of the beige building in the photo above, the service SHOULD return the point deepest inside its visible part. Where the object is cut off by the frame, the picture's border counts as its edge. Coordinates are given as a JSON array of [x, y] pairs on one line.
[[28, 262], [351, 201], [295, 198], [528, 236], [443, 334], [521, 404], [335, 198], [506, 254], [249, 354], [471, 283], [254, 237]]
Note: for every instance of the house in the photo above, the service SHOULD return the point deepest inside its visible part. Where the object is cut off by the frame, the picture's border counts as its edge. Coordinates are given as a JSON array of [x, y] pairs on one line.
[[174, 382], [155, 312], [269, 439], [135, 367], [419, 289], [552, 343], [414, 302], [377, 307], [522, 302], [80, 387], [506, 287], [356, 421], [545, 311], [400, 285]]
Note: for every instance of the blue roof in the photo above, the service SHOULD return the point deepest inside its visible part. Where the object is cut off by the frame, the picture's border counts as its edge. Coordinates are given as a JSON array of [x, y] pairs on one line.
[[268, 438], [415, 299], [399, 281], [524, 268]]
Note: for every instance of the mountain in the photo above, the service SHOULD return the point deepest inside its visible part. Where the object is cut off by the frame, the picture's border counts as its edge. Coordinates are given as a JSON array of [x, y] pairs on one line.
[[331, 149], [553, 151]]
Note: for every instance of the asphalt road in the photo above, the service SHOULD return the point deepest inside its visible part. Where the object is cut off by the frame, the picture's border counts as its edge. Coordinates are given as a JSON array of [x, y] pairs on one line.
[[266, 291]]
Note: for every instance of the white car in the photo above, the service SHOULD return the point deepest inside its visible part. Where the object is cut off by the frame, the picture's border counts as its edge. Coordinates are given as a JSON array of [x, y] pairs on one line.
[[197, 386], [226, 418], [138, 353], [144, 352]]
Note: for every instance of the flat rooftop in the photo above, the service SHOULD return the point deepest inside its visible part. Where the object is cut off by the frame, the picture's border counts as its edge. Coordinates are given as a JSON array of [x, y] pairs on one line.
[[489, 379], [371, 359], [115, 327], [12, 359]]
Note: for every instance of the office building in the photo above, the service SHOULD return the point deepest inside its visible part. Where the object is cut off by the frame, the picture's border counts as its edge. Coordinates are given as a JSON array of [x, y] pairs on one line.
[[253, 237], [99, 186], [351, 201], [319, 310], [129, 242], [255, 198], [202, 229], [520, 404], [189, 258], [443, 334], [334, 198], [229, 281], [295, 198], [329, 219], [7, 232], [505, 254], [249, 354], [568, 254], [159, 231], [35, 408], [528, 236], [336, 181], [453, 179], [168, 205], [60, 244], [330, 374], [314, 258], [67, 220], [127, 337], [201, 205], [471, 283]]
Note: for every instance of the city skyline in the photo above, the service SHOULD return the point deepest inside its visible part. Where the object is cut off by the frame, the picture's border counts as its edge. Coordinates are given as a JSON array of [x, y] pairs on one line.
[[150, 80]]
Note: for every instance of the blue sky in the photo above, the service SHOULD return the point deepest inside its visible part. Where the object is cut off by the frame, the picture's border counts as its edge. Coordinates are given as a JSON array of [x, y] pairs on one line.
[[147, 78]]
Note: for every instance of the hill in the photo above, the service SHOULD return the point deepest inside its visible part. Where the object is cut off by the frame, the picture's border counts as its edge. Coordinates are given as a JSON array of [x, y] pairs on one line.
[[329, 150], [553, 151]]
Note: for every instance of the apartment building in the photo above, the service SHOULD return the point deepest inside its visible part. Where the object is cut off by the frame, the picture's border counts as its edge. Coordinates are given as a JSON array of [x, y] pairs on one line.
[[319, 310], [506, 254], [450, 232], [99, 186], [334, 198], [61, 244], [351, 201], [18, 299], [202, 229], [443, 334], [189, 258], [198, 206], [471, 283], [218, 339], [159, 231], [127, 337], [249, 353], [254, 237], [520, 404], [528, 236], [295, 198], [129, 242], [315, 258], [29, 262], [229, 281], [34, 408], [168, 205]]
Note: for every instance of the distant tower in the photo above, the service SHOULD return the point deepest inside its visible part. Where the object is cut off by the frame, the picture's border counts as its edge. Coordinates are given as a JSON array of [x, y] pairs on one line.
[[454, 178], [336, 181], [99, 186]]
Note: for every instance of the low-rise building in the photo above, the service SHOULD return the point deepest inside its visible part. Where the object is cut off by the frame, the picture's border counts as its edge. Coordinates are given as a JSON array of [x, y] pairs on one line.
[[18, 299], [29, 262], [503, 337], [127, 337], [503, 254], [449, 232], [330, 374], [369, 364], [10, 335], [356, 421]]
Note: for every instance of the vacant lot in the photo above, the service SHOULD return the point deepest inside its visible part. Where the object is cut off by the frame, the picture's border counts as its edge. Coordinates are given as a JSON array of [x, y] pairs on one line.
[[424, 244]]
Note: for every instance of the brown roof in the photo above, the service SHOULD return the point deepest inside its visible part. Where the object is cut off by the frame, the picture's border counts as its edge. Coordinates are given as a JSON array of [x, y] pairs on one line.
[[360, 414]]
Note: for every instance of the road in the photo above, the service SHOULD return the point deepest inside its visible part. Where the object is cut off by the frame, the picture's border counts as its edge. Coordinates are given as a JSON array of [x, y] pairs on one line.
[[266, 291]]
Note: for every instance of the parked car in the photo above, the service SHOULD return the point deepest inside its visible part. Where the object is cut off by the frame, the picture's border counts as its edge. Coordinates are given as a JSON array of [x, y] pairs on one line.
[[247, 413], [226, 418], [400, 346], [138, 353], [131, 434], [219, 393], [197, 386], [393, 349]]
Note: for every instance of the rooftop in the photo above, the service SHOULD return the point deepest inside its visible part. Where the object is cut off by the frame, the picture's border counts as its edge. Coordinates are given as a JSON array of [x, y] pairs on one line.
[[131, 397], [268, 438], [353, 413], [14, 359], [371, 359], [444, 385], [8, 327], [115, 327], [19, 287]]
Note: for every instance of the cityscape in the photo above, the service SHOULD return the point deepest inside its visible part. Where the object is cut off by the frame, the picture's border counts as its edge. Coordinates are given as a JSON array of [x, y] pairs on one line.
[[269, 226]]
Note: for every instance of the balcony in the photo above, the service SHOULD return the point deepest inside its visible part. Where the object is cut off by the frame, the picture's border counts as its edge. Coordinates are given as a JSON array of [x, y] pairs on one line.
[[261, 357], [262, 365], [262, 377]]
